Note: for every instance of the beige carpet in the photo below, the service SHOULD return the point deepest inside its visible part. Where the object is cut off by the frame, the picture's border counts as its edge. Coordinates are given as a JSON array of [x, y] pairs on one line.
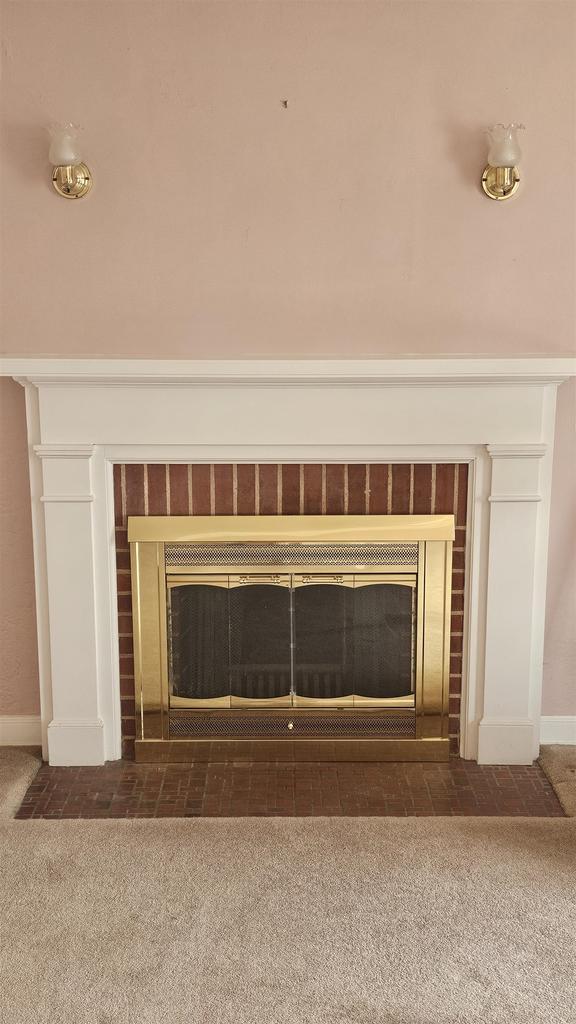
[[288, 921], [559, 763], [18, 766]]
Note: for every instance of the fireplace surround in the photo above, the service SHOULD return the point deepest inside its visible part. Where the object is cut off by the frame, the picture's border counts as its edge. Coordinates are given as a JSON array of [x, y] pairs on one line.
[[337, 628], [85, 416]]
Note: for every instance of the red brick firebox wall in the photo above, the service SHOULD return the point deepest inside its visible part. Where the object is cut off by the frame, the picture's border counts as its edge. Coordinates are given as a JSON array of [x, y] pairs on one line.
[[291, 489]]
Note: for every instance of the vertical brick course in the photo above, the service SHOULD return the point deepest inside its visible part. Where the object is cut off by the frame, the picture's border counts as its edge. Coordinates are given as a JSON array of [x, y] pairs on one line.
[[223, 491], [267, 490], [422, 498], [312, 490], [157, 494], [356, 490], [378, 503], [246, 490], [290, 489], [462, 498], [134, 475], [335, 479], [201, 490], [444, 503], [118, 503], [333, 489], [179, 497], [400, 490]]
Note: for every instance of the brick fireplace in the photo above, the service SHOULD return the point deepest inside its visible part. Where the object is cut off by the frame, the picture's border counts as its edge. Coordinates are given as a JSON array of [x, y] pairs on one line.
[[287, 489], [360, 437]]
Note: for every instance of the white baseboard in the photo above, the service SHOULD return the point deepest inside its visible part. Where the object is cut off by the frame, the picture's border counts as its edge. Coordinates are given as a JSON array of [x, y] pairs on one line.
[[558, 729], [20, 731]]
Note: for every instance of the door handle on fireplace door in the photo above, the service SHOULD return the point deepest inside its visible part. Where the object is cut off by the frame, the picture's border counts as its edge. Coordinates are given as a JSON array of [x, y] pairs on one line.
[[322, 578], [257, 578]]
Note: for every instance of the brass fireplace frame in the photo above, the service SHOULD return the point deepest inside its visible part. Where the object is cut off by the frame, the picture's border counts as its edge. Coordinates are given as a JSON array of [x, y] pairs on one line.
[[152, 577]]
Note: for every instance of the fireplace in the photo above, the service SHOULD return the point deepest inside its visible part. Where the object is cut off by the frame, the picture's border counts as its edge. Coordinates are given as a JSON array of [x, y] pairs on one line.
[[370, 437], [291, 637]]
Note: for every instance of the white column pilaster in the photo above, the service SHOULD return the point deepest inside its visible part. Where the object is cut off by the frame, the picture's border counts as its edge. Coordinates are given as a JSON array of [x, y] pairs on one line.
[[76, 732], [515, 609]]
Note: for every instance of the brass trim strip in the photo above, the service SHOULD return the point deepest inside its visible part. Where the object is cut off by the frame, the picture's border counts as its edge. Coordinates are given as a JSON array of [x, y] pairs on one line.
[[191, 703], [386, 702], [283, 578], [448, 553], [351, 700], [150, 652], [163, 634], [220, 750], [295, 567], [435, 622], [419, 641], [346, 529], [272, 711], [246, 702]]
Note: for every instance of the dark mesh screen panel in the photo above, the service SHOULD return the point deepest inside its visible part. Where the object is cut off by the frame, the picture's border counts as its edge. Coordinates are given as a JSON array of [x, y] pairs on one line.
[[237, 642], [198, 642], [260, 641], [323, 633], [382, 640]]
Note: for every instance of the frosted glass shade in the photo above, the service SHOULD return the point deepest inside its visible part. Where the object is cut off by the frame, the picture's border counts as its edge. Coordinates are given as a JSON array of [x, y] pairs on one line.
[[64, 146], [504, 148]]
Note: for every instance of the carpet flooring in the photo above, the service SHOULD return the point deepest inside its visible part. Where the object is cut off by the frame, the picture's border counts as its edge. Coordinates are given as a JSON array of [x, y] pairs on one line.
[[288, 921], [18, 767], [559, 764]]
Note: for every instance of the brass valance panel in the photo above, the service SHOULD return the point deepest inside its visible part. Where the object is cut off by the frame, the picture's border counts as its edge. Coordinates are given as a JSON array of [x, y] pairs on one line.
[[292, 556], [304, 529]]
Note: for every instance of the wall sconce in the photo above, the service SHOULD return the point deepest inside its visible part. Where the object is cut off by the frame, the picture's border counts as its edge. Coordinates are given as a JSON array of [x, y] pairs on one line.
[[70, 177], [501, 178]]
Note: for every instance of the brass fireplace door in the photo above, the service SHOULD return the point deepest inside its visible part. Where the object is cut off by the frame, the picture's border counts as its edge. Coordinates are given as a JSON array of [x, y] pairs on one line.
[[291, 636], [292, 640]]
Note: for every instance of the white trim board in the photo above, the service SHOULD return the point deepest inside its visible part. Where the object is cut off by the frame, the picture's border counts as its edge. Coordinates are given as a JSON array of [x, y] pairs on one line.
[[291, 372], [20, 731], [558, 729]]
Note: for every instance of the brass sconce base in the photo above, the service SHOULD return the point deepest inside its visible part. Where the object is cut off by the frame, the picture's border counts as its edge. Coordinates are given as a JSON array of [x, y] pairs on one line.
[[73, 181], [500, 182]]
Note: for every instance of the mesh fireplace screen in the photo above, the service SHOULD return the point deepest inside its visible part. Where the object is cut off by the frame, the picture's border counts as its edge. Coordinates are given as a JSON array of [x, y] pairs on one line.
[[290, 554], [289, 643]]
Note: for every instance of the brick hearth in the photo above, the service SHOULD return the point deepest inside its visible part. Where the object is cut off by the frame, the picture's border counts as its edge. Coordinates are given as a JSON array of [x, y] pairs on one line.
[[124, 790]]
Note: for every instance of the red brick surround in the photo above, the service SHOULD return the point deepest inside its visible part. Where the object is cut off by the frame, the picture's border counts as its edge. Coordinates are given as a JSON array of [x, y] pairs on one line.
[[291, 489]]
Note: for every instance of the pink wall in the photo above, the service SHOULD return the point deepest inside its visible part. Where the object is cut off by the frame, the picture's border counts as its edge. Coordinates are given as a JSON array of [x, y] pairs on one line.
[[349, 224], [19, 662]]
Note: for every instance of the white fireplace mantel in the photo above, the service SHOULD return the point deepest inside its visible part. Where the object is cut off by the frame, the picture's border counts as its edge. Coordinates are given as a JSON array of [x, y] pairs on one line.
[[85, 415]]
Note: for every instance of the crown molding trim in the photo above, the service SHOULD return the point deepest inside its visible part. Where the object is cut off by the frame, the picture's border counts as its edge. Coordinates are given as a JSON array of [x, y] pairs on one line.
[[315, 373], [517, 451], [64, 451]]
